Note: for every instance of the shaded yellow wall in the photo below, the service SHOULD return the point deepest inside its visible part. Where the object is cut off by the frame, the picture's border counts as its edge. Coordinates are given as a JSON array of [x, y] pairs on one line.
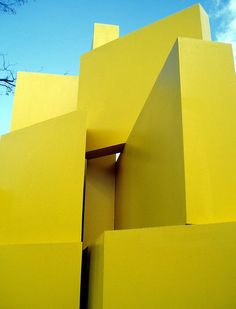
[[116, 79], [96, 274], [167, 267], [99, 198], [41, 183], [178, 165], [150, 186], [104, 33], [40, 276], [40, 97]]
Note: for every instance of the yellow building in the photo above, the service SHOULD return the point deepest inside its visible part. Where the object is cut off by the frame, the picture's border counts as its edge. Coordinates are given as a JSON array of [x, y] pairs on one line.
[[155, 228]]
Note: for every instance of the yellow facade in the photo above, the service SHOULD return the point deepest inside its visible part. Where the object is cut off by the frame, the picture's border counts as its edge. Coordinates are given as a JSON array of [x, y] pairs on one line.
[[41, 183], [166, 267], [167, 103], [181, 143], [103, 34], [116, 79], [37, 276], [40, 97]]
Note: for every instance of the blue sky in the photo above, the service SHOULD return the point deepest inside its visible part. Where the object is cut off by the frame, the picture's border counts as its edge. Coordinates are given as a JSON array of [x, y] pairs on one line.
[[50, 35]]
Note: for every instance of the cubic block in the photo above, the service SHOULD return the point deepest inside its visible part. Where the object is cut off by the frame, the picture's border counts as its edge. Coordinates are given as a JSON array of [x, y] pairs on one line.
[[37, 276], [178, 165], [104, 33], [40, 97], [41, 183], [116, 79], [166, 267]]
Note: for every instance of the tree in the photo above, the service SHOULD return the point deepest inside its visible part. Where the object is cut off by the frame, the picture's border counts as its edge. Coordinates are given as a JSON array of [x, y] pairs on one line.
[[7, 74]]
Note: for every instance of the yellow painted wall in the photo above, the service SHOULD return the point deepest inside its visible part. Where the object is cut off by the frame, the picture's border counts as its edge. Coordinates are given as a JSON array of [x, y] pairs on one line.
[[40, 276], [167, 267], [41, 183], [208, 87], [99, 198], [41, 97], [150, 187], [104, 33], [116, 79], [183, 143]]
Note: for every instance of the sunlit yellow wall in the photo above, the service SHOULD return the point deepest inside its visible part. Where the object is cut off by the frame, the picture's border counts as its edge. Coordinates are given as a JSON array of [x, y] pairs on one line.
[[41, 183], [179, 162], [37, 276], [99, 198], [42, 96], [167, 267], [104, 33], [116, 79], [208, 87]]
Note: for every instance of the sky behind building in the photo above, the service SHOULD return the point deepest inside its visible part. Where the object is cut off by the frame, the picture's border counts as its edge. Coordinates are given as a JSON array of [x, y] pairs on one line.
[[50, 36]]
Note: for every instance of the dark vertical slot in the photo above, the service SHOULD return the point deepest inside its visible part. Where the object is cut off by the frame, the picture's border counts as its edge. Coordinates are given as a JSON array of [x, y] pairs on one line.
[[84, 279], [83, 206]]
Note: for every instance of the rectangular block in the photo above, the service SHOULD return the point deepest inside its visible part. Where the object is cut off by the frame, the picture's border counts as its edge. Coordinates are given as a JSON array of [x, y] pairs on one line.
[[116, 79], [41, 183], [208, 91], [150, 187], [166, 267], [40, 276], [178, 165], [40, 97]]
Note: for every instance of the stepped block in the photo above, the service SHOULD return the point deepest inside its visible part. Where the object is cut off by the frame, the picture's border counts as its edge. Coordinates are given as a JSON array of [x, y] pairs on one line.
[[116, 78], [178, 166], [40, 276], [40, 97], [41, 183], [166, 267]]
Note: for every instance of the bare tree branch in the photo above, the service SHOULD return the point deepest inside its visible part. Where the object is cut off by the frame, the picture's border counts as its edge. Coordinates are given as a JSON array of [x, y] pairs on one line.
[[7, 75], [9, 6]]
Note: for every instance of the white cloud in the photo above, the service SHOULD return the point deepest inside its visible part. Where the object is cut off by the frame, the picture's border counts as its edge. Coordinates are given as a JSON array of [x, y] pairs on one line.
[[225, 14]]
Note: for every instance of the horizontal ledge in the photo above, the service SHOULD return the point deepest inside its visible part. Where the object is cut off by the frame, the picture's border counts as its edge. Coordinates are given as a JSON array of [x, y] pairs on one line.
[[102, 152]]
